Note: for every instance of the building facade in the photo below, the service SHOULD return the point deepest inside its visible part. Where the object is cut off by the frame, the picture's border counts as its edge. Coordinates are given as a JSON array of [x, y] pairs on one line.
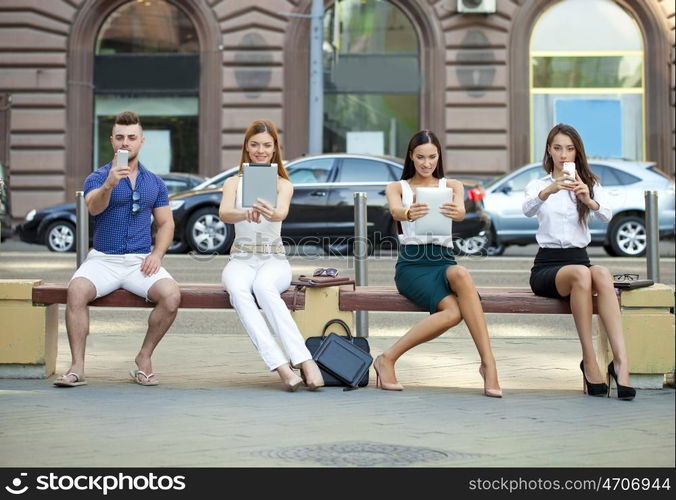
[[490, 83]]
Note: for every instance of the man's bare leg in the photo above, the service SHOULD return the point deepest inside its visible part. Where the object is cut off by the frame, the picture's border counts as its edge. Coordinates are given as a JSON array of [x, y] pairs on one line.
[[167, 297], [81, 292]]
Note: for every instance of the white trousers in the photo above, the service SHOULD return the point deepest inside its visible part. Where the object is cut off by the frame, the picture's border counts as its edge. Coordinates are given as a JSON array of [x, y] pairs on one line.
[[265, 276]]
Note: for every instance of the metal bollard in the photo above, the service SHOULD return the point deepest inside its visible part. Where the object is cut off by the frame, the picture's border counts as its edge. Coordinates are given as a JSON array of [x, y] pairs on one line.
[[82, 228], [360, 254], [652, 228]]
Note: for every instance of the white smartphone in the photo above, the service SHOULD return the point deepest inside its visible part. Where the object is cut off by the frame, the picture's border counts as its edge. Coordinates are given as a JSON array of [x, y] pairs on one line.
[[122, 158], [569, 166]]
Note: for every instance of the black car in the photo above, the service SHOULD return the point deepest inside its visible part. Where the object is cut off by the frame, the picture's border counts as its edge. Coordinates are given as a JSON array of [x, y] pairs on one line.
[[322, 207], [55, 226]]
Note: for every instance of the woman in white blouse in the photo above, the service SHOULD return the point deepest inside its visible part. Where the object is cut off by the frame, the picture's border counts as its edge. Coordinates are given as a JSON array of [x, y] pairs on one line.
[[563, 203]]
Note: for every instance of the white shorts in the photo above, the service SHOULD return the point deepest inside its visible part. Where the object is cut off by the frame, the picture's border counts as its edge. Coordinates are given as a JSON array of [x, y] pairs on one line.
[[110, 272]]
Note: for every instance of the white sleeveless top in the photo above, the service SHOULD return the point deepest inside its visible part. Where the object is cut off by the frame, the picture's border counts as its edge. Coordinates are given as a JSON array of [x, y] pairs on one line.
[[408, 228], [250, 233]]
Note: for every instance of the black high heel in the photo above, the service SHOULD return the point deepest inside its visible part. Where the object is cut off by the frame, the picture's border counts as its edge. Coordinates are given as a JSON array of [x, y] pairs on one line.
[[625, 392], [592, 389]]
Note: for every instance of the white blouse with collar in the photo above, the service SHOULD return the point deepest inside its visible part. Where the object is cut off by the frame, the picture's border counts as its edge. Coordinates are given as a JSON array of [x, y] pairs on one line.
[[557, 216]]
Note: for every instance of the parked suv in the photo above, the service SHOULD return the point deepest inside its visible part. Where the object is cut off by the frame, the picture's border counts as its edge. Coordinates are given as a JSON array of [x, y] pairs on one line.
[[322, 207], [624, 182]]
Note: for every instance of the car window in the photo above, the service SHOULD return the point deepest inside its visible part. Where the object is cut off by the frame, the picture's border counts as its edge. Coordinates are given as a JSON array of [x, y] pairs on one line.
[[310, 171], [218, 180], [361, 170], [600, 172], [623, 178], [609, 176], [175, 186], [520, 181]]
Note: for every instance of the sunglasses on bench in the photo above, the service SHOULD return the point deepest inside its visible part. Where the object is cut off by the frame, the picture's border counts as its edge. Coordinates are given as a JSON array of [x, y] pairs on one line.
[[325, 271]]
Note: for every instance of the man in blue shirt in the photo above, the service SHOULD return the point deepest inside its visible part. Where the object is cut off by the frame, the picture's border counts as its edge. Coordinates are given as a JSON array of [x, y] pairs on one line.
[[124, 199]]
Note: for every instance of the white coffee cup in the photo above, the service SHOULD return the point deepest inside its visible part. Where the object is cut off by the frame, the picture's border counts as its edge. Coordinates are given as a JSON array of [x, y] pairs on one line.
[[569, 167]]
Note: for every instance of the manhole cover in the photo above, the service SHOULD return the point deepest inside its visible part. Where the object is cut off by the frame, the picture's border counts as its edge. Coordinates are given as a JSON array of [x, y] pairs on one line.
[[362, 454]]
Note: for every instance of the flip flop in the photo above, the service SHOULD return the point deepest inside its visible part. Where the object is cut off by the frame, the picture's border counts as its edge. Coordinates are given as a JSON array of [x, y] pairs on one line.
[[66, 383], [135, 373]]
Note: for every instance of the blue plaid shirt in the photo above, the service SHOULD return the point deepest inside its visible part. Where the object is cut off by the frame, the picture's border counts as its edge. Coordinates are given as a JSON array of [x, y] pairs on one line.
[[117, 230]]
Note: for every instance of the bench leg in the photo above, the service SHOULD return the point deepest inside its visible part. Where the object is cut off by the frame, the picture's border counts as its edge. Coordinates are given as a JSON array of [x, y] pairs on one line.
[[321, 305], [28, 334], [648, 327]]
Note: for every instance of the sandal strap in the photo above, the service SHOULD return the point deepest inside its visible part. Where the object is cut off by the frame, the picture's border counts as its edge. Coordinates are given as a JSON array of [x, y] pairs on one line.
[[147, 376]]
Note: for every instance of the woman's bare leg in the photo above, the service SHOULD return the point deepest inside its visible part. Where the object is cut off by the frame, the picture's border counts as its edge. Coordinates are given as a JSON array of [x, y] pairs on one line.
[[462, 284], [611, 317], [575, 280], [447, 316]]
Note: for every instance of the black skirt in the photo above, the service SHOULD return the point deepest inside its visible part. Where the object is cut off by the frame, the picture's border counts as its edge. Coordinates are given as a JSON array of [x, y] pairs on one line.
[[547, 263]]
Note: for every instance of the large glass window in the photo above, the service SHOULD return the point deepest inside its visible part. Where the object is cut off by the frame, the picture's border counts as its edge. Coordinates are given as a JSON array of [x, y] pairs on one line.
[[371, 78], [147, 61], [586, 59]]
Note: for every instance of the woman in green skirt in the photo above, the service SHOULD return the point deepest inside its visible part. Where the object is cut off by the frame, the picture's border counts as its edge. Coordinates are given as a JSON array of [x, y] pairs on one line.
[[426, 270]]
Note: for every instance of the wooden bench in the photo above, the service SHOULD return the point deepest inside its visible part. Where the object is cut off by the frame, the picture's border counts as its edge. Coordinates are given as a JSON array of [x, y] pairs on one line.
[[192, 297], [493, 300], [362, 298], [28, 338]]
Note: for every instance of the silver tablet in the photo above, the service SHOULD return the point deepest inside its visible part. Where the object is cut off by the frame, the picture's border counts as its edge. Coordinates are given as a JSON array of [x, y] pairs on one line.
[[434, 223], [259, 180]]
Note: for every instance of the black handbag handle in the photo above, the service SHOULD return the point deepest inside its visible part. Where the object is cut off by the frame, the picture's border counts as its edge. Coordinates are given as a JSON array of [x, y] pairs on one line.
[[341, 323]]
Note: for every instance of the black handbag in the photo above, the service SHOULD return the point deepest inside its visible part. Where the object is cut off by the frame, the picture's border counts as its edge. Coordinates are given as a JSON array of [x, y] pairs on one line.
[[338, 360]]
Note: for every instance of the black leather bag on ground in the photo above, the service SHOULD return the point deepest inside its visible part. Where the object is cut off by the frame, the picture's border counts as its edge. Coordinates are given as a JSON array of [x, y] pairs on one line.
[[338, 360]]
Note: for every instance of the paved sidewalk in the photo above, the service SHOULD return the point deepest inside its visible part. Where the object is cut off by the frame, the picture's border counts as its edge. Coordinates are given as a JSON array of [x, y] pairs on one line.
[[217, 406]]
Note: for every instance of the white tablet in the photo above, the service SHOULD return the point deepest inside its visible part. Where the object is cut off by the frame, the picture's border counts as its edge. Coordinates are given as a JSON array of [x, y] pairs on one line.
[[434, 223], [259, 180]]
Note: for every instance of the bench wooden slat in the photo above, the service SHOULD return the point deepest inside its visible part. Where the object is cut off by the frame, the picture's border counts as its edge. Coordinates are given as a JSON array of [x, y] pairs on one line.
[[493, 300], [192, 297], [363, 298]]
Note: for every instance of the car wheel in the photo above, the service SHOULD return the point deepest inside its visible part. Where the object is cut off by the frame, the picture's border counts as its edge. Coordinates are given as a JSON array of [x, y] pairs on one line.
[[628, 237], [610, 250], [493, 248], [472, 246], [60, 237], [207, 234]]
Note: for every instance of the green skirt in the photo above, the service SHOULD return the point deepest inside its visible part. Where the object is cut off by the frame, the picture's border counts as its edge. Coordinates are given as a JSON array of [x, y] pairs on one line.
[[420, 274]]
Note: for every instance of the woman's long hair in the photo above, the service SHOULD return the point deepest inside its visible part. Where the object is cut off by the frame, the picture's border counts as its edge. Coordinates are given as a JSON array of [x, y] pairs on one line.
[[581, 165], [259, 127], [422, 137]]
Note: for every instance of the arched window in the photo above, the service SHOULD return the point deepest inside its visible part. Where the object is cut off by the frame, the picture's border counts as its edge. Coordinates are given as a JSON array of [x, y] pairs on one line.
[[586, 61], [147, 61], [371, 78]]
